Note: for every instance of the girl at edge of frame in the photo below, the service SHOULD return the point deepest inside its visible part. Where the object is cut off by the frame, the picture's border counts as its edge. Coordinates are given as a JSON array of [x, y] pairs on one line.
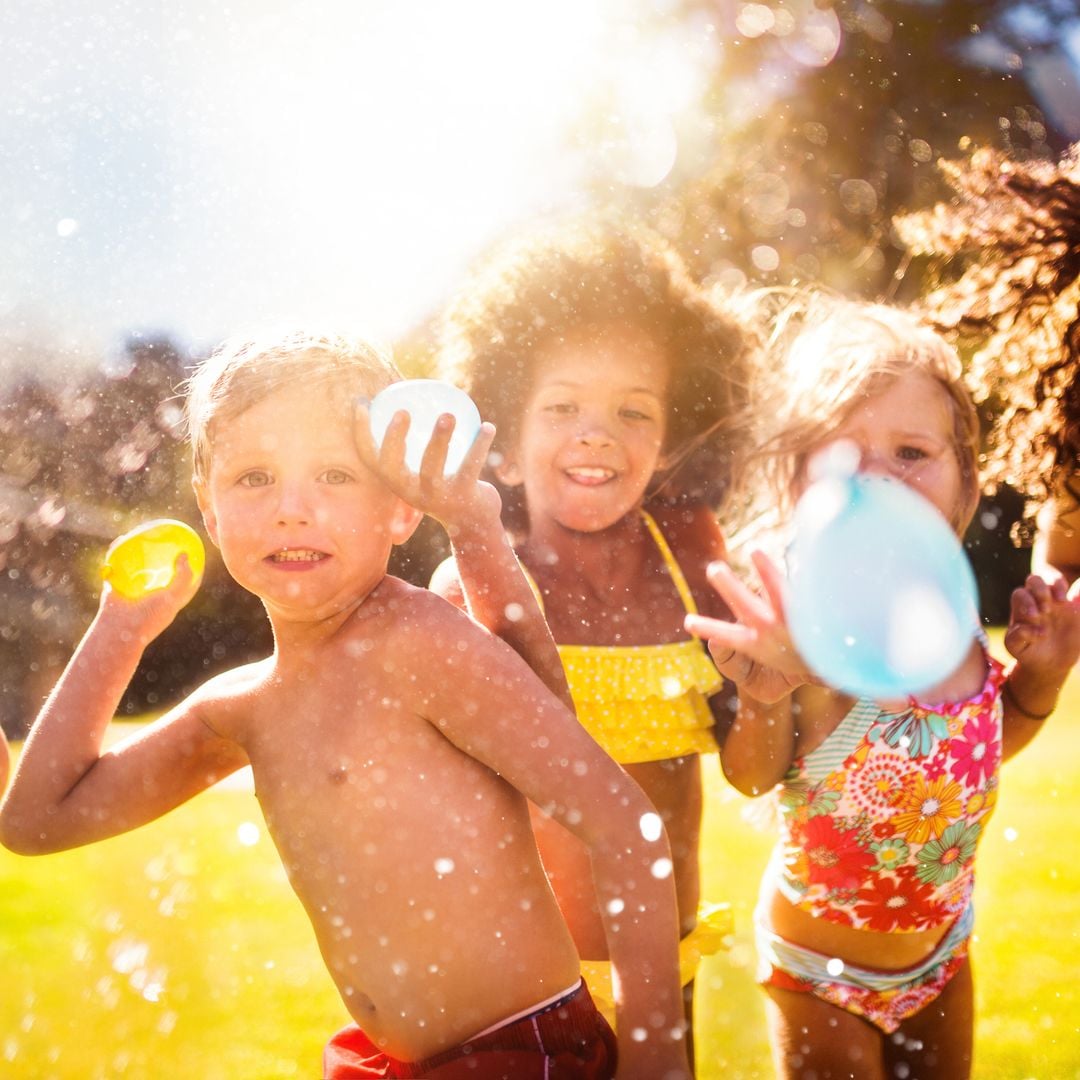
[[617, 387], [864, 915], [1013, 227]]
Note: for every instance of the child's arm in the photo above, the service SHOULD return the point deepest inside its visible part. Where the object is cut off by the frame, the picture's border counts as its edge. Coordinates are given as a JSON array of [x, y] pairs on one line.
[[5, 762], [66, 792], [1056, 550], [757, 655], [486, 578], [523, 733], [1044, 638]]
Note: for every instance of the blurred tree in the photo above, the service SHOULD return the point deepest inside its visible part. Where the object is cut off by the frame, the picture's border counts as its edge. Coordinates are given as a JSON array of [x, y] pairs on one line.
[[79, 464], [825, 119]]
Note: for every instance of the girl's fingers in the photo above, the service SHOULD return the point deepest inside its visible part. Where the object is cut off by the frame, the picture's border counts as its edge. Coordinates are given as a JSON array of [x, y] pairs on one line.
[[772, 579], [476, 458], [1022, 606], [392, 450], [719, 632], [1039, 590], [477, 455], [746, 606]]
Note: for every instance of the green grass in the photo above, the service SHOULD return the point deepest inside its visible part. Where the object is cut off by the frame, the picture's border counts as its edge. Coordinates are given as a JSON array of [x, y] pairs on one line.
[[178, 951]]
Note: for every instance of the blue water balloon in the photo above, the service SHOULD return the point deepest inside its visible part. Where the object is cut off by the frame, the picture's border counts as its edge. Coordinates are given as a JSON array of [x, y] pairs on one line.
[[882, 600], [425, 400]]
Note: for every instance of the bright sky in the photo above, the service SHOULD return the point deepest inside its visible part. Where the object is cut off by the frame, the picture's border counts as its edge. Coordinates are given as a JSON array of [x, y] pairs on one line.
[[200, 167]]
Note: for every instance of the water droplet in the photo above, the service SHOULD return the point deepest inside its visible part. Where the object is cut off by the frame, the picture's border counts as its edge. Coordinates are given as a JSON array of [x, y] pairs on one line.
[[444, 866], [835, 967], [671, 686], [247, 833], [661, 869], [651, 826]]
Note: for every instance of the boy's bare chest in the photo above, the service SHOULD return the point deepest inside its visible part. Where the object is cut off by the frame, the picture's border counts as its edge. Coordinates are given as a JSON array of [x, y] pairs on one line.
[[355, 766]]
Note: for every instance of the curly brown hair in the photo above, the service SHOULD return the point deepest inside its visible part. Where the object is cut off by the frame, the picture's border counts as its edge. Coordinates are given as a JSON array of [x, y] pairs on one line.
[[576, 278], [1005, 255]]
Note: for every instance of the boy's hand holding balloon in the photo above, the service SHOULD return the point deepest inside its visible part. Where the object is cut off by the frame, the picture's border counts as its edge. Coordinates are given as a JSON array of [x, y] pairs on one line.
[[425, 440], [150, 573]]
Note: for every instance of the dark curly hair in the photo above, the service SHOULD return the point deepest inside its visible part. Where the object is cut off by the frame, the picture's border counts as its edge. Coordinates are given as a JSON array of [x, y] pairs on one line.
[[1005, 253], [570, 278]]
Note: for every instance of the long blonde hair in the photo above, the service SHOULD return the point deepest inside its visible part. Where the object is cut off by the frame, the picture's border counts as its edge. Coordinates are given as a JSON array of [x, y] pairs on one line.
[[825, 356]]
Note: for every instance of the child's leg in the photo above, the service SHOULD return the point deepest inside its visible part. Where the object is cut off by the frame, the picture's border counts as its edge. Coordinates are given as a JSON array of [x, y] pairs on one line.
[[810, 1037], [937, 1041]]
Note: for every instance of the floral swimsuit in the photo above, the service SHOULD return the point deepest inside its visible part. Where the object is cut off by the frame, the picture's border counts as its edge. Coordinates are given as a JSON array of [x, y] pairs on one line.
[[879, 826]]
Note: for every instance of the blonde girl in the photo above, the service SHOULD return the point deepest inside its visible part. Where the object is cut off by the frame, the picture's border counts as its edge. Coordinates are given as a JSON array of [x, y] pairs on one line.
[[864, 915]]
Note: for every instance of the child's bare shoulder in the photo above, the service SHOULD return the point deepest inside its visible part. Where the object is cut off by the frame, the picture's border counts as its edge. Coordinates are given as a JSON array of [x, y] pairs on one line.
[[696, 539], [224, 699], [402, 613], [412, 627], [690, 529], [446, 582]]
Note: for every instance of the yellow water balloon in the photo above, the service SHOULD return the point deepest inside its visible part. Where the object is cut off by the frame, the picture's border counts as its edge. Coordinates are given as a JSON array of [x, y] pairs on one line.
[[144, 559]]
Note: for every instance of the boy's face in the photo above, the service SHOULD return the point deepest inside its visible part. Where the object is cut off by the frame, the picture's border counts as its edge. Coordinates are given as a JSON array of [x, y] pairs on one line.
[[299, 519]]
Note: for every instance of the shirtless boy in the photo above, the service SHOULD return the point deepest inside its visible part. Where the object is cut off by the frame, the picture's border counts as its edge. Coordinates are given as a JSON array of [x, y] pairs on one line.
[[394, 745]]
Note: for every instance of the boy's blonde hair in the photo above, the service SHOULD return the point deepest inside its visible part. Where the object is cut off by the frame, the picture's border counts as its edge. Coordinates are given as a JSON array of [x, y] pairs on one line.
[[245, 370], [829, 355]]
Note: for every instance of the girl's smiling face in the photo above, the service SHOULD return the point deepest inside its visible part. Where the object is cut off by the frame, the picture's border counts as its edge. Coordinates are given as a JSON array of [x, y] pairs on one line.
[[593, 428]]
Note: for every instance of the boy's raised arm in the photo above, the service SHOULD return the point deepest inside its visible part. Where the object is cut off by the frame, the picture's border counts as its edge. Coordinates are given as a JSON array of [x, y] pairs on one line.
[[65, 792], [5, 762], [528, 737]]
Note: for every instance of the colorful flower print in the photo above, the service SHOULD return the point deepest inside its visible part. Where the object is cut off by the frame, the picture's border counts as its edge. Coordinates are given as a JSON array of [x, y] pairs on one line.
[[874, 787], [889, 903], [890, 853], [915, 731], [942, 859], [977, 751], [927, 809], [834, 857]]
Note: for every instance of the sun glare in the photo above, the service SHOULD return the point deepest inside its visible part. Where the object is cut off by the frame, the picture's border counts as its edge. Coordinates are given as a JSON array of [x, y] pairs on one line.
[[254, 163]]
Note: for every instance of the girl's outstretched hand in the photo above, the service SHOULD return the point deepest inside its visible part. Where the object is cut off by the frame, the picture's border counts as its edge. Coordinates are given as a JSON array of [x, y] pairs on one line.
[[755, 651], [458, 501], [1044, 626]]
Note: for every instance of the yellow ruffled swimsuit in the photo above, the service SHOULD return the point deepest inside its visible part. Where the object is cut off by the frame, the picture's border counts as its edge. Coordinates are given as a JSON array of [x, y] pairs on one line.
[[646, 702], [711, 934], [649, 703]]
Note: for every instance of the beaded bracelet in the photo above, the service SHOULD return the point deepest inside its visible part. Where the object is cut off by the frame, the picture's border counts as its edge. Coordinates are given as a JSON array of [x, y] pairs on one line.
[[1007, 692]]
